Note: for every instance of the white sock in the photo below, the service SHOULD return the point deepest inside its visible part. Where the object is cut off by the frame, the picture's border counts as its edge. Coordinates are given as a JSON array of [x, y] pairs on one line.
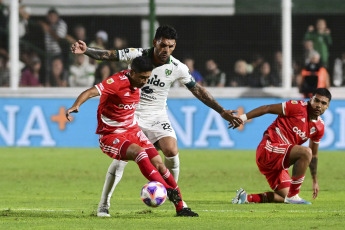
[[113, 177], [173, 164]]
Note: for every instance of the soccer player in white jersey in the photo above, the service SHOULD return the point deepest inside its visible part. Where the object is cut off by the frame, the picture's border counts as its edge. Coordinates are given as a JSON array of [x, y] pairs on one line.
[[152, 109]]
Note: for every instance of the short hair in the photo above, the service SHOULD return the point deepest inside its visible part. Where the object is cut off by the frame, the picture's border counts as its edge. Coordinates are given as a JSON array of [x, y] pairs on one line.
[[53, 11], [323, 92], [142, 64], [166, 31]]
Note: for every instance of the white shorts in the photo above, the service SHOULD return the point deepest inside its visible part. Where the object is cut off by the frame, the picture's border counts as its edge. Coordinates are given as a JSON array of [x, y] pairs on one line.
[[155, 127]]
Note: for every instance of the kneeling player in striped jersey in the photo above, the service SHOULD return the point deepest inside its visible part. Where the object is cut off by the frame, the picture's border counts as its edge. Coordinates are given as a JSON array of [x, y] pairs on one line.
[[280, 148]]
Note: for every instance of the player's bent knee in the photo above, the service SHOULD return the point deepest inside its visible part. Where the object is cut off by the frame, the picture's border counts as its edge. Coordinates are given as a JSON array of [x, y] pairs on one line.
[[308, 153], [170, 152]]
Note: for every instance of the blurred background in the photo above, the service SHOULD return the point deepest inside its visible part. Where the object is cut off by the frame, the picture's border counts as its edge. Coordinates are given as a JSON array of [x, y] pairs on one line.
[[269, 49]]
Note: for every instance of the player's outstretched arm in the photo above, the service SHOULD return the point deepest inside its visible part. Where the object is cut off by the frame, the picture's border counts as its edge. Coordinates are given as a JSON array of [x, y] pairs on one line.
[[80, 47], [313, 167], [262, 110], [84, 96], [203, 95]]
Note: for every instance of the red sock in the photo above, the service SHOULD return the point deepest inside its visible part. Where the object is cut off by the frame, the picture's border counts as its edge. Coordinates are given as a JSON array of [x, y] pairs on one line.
[[171, 181], [296, 184], [257, 198], [148, 170]]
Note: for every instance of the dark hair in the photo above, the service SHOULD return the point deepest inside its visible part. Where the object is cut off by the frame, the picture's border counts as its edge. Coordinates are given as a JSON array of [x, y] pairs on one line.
[[142, 64], [166, 31], [323, 92], [53, 11]]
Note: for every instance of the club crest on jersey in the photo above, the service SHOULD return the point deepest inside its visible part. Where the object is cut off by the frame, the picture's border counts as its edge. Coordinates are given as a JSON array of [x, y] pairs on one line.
[[116, 141], [168, 72], [312, 130], [110, 80], [294, 102]]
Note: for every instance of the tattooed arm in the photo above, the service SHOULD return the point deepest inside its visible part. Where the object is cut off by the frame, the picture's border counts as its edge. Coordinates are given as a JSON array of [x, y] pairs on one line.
[[313, 167], [203, 95], [80, 47]]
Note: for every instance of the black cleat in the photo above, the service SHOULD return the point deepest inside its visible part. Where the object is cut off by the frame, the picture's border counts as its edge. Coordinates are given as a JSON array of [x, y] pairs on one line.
[[173, 196], [187, 212]]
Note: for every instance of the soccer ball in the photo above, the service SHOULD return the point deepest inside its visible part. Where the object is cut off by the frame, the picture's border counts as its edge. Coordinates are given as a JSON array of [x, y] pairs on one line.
[[153, 194]]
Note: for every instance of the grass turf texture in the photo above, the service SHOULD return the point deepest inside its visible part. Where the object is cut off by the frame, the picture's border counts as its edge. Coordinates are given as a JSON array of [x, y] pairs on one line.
[[57, 188]]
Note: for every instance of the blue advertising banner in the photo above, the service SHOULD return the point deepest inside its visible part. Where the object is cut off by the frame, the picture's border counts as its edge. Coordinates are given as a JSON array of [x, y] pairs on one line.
[[41, 122]]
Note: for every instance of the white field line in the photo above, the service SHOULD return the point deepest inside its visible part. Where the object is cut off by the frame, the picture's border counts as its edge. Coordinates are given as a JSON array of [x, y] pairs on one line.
[[38, 210], [230, 210]]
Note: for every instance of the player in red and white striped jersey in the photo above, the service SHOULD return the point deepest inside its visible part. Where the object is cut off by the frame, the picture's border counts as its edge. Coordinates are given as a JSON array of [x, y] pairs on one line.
[[280, 148], [119, 134]]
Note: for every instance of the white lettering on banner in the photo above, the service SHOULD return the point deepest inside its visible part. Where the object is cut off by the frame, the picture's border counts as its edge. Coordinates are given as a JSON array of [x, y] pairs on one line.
[[341, 142], [221, 131], [9, 135], [328, 137], [186, 137], [36, 115]]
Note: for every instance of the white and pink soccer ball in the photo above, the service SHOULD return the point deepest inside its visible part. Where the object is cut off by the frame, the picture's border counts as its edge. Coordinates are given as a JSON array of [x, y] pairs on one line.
[[153, 194]]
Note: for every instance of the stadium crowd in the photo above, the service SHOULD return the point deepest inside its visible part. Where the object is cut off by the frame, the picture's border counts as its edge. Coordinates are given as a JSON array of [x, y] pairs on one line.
[[53, 65]]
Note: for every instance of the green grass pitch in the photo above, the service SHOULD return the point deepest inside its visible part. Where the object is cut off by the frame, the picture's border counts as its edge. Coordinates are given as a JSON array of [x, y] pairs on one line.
[[59, 188]]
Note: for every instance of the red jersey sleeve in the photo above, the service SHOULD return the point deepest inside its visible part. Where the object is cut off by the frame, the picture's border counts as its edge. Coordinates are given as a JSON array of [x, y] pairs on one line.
[[320, 127], [107, 86], [292, 108]]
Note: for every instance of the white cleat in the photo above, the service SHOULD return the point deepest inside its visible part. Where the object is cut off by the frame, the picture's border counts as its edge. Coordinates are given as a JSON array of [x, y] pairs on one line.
[[295, 200], [103, 212], [241, 197]]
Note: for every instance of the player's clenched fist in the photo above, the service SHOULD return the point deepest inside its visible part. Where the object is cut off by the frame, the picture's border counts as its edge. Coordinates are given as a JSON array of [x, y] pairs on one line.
[[79, 47]]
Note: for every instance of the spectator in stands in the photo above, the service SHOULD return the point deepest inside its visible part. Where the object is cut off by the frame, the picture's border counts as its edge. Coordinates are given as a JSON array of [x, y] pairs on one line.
[[4, 70], [308, 50], [119, 43], [190, 64], [254, 66], [79, 33], [240, 76], [277, 66], [4, 13], [55, 30], [313, 76], [321, 38], [31, 75], [59, 74], [100, 40], [265, 78], [214, 76], [103, 71], [24, 16], [339, 71], [82, 73]]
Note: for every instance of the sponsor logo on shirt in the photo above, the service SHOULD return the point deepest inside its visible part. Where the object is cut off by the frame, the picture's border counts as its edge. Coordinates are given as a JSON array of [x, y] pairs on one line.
[[130, 106], [126, 94], [147, 89], [156, 82], [300, 133], [303, 119]]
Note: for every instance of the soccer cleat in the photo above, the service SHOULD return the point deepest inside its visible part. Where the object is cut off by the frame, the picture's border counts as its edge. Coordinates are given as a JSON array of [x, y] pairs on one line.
[[173, 195], [241, 197], [186, 212], [295, 200], [103, 212]]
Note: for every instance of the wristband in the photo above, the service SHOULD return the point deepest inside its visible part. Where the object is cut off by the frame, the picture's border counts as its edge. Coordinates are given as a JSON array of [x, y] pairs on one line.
[[244, 117]]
